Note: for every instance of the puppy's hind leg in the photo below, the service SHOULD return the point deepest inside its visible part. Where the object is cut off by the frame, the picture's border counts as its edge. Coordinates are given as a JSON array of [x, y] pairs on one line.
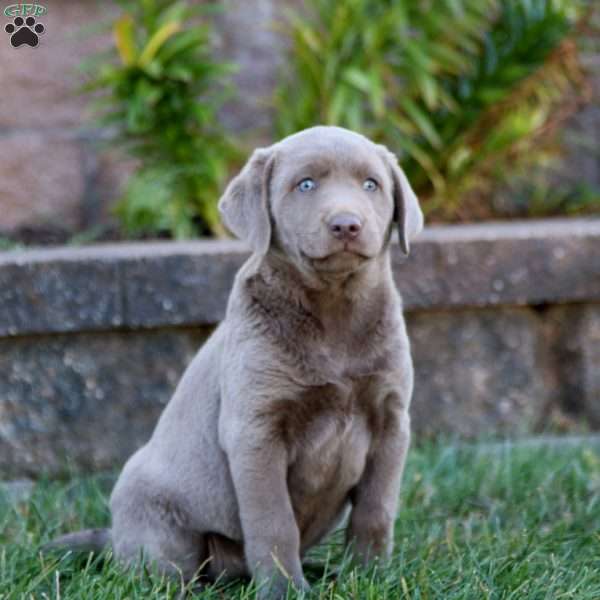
[[158, 538]]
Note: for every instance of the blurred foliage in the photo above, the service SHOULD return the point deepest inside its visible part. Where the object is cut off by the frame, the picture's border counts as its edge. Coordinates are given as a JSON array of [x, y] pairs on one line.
[[468, 93], [160, 90], [540, 197]]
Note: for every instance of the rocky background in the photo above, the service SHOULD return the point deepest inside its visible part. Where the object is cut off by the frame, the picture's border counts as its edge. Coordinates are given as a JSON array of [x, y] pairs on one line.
[[55, 181], [504, 322]]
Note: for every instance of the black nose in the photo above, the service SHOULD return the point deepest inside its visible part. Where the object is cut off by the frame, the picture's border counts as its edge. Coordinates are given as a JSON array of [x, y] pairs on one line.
[[345, 226]]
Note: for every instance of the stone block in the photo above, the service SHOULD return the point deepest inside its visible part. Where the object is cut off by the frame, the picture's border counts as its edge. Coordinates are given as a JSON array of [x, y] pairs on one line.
[[85, 402], [59, 296], [572, 357], [179, 288], [492, 264], [476, 372], [590, 362]]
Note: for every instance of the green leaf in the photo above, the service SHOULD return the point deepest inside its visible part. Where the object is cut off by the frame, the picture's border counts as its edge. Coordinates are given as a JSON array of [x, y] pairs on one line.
[[338, 105], [157, 40], [422, 121], [124, 39], [428, 89], [359, 79]]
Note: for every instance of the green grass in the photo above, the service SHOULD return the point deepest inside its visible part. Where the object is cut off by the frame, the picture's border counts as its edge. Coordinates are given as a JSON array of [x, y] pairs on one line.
[[477, 522]]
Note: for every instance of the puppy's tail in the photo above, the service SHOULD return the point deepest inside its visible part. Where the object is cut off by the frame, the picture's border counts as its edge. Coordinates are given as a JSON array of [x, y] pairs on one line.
[[86, 540]]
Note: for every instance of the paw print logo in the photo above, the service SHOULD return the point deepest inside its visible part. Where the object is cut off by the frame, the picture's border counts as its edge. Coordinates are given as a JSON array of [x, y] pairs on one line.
[[24, 31]]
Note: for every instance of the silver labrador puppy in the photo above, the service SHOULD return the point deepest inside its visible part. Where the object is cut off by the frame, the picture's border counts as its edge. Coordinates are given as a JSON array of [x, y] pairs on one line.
[[296, 409]]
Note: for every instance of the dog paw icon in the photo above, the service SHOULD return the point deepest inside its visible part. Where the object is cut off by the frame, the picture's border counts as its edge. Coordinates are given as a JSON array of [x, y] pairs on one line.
[[24, 31]]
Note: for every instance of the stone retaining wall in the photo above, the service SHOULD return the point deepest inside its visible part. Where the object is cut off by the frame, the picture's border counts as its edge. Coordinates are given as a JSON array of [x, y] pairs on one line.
[[504, 322]]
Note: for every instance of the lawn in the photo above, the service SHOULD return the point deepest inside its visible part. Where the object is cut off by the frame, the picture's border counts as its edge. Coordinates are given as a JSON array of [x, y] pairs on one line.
[[477, 522]]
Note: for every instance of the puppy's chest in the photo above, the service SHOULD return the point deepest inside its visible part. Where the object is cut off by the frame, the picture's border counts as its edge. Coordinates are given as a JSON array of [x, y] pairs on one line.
[[328, 430]]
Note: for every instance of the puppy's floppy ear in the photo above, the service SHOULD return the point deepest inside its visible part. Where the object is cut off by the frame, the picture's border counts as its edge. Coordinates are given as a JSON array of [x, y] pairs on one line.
[[407, 212], [244, 206]]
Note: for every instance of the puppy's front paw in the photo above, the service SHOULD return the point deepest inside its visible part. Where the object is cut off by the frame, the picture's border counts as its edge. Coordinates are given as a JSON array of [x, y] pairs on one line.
[[372, 547]]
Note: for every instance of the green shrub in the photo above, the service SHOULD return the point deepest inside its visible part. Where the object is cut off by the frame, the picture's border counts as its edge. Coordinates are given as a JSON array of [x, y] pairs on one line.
[[467, 92], [160, 94]]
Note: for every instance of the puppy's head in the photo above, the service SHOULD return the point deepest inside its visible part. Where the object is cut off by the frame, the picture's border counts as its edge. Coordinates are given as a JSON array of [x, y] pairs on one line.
[[326, 197]]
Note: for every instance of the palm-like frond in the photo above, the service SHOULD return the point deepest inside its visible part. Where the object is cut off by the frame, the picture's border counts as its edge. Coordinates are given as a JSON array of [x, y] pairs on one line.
[[462, 90], [161, 94]]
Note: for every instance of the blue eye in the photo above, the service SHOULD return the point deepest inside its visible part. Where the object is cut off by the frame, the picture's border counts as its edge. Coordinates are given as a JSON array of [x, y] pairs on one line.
[[306, 185], [370, 185]]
